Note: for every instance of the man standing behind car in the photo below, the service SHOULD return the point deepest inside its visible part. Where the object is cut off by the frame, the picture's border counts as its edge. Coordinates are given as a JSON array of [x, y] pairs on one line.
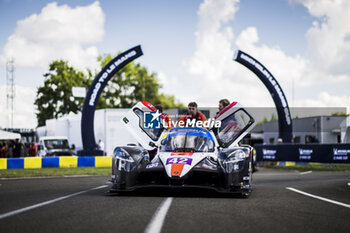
[[100, 144], [167, 118], [222, 104], [191, 114]]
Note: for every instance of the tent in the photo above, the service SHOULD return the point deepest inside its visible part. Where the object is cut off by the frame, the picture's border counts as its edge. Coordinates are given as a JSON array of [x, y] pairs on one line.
[[5, 135]]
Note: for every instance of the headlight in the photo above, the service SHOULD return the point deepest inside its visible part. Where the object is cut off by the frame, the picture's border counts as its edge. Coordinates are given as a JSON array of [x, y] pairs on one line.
[[236, 156], [122, 154]]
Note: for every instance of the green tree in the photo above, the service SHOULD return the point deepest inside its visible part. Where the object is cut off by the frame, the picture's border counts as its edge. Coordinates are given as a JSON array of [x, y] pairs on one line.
[[54, 99], [340, 114], [132, 84], [263, 121], [273, 117], [128, 86], [169, 101]]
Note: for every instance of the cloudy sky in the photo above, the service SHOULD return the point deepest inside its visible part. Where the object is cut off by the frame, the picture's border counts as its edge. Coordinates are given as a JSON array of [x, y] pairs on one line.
[[190, 45]]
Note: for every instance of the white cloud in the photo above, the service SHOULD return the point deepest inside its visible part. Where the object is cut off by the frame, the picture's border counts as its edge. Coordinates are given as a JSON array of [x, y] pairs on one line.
[[329, 38], [324, 99], [57, 32], [211, 65], [285, 69], [24, 115], [210, 20], [211, 74]]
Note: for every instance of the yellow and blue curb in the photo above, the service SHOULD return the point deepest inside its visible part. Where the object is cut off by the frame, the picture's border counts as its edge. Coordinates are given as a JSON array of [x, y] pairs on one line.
[[58, 162], [292, 163]]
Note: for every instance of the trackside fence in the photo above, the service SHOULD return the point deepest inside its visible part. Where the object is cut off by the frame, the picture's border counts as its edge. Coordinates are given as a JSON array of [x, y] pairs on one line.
[[320, 153]]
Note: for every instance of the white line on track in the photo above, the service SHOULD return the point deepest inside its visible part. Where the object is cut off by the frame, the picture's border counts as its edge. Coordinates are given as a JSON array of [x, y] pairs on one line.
[[155, 226], [304, 173], [318, 197], [47, 202]]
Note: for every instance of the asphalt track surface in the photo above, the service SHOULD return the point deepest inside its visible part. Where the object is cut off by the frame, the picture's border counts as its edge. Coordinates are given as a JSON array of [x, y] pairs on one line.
[[76, 207]]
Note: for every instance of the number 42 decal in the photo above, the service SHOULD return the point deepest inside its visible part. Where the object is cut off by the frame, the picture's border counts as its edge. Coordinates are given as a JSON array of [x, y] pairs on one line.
[[179, 160]]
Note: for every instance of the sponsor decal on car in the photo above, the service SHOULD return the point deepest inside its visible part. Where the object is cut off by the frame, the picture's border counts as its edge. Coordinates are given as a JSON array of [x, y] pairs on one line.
[[179, 160], [182, 153], [208, 165], [176, 169], [152, 165]]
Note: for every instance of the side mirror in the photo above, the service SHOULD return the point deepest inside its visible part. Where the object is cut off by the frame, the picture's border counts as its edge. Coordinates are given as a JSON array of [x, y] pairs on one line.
[[73, 147]]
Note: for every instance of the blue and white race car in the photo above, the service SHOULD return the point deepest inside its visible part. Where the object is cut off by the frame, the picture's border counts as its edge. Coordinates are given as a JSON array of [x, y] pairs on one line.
[[186, 157]]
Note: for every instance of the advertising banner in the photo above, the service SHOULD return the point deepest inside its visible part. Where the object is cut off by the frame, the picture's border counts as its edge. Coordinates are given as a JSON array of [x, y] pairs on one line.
[[322, 153]]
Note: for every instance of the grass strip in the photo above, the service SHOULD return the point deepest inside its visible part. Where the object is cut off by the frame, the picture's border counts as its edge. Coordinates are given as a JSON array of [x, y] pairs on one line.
[[15, 173]]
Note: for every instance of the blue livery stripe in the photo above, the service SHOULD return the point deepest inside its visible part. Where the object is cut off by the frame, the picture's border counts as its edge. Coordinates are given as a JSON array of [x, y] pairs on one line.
[[86, 161], [50, 162], [200, 134], [15, 163]]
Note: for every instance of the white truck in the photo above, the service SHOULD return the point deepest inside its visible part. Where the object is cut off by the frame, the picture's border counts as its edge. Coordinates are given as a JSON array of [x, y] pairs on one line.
[[54, 146]]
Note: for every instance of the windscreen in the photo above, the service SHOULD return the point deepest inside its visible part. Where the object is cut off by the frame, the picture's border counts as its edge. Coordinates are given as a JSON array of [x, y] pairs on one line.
[[56, 144], [153, 133], [187, 140], [233, 125]]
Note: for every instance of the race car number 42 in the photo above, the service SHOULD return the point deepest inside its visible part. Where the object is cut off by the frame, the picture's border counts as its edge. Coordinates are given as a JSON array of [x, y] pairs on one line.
[[179, 160]]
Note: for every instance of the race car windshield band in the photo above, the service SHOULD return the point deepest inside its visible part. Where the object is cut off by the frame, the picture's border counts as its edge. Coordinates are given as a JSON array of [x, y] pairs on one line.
[[187, 142]]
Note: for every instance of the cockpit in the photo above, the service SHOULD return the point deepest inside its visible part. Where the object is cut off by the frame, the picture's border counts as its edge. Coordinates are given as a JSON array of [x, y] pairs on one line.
[[191, 139]]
